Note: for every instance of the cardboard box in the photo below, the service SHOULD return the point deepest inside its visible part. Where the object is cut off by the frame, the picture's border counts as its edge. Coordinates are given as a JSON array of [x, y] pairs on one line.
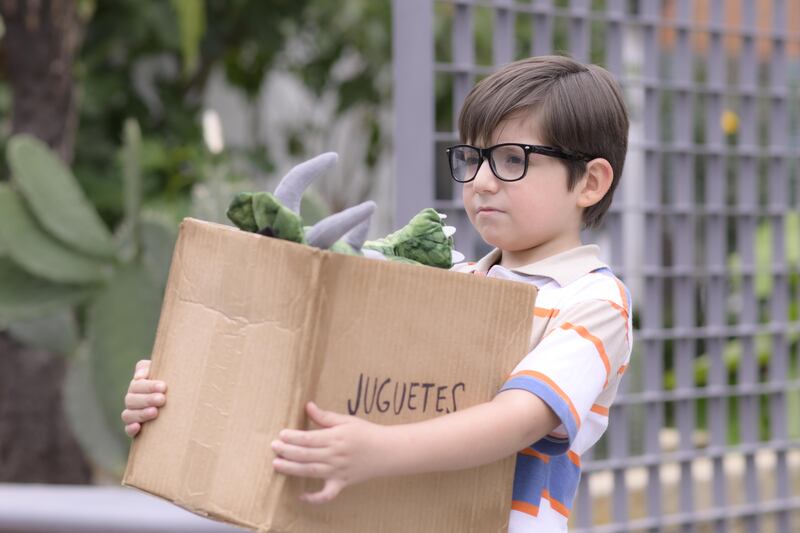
[[252, 328]]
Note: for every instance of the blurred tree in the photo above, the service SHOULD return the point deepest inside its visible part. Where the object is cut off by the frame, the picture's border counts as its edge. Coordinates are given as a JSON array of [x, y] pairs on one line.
[[40, 42], [39, 46]]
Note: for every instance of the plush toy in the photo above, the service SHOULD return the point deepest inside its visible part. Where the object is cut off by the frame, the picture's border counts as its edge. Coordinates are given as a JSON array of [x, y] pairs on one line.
[[424, 240]]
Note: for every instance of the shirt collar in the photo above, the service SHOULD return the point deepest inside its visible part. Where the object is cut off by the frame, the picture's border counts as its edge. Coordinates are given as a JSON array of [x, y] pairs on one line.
[[564, 267]]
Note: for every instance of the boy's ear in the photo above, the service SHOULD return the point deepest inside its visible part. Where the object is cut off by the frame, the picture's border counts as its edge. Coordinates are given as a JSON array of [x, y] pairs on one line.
[[595, 183]]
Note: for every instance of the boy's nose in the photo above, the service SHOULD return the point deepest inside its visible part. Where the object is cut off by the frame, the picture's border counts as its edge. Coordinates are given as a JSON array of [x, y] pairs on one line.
[[485, 180]]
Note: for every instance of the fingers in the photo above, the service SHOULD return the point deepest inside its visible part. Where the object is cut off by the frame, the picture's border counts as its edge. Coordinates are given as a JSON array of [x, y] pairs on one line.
[[143, 398], [300, 454], [308, 439], [129, 416], [142, 370], [325, 419], [290, 468], [331, 489], [146, 386], [142, 401]]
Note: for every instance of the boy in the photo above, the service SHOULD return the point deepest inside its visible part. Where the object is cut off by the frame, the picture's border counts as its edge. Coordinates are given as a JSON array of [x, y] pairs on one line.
[[544, 145]]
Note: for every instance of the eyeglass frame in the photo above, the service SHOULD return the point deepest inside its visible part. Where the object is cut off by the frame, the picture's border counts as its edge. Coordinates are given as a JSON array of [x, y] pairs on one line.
[[486, 155]]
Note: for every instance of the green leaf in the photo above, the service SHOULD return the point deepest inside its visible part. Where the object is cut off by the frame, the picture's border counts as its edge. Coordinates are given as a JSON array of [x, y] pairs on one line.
[[56, 332], [121, 328], [157, 234], [791, 244], [56, 198], [103, 443], [126, 235], [191, 26], [38, 253], [793, 402], [24, 296]]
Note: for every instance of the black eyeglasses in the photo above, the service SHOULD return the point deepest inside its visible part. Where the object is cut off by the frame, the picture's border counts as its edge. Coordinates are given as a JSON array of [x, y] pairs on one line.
[[508, 161]]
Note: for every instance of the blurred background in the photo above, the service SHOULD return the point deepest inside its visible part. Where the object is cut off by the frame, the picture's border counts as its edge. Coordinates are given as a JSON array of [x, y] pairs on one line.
[[118, 90], [119, 117]]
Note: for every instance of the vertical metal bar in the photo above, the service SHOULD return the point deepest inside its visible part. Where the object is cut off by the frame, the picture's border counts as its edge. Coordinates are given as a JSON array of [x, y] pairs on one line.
[[579, 29], [619, 436], [777, 206], [503, 33], [615, 217], [614, 31], [682, 248], [412, 49], [542, 28], [747, 200], [463, 56], [463, 39], [716, 257], [652, 309], [583, 504]]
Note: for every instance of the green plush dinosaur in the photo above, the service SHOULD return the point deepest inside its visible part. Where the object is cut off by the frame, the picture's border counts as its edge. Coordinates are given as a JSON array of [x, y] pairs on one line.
[[424, 240]]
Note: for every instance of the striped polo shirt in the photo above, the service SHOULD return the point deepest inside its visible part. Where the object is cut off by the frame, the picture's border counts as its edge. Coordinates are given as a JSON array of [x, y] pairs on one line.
[[579, 349]]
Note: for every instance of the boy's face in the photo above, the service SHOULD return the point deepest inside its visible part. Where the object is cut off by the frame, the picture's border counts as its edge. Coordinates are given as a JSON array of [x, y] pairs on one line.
[[529, 219]]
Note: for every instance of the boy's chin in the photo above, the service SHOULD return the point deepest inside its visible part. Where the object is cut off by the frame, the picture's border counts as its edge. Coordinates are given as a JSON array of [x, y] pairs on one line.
[[494, 239]]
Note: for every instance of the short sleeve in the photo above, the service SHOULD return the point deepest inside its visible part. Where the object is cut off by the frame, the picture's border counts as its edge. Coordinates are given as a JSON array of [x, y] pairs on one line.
[[583, 350]]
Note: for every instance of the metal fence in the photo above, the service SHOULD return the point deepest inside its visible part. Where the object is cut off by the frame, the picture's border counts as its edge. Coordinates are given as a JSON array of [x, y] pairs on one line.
[[705, 229]]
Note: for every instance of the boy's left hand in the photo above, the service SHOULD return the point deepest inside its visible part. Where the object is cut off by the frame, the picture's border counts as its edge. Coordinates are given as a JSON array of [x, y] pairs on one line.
[[345, 451]]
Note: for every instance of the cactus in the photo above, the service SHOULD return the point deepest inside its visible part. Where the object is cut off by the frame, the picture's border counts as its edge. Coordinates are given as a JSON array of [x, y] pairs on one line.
[[24, 296], [127, 233], [38, 252], [121, 327], [59, 262], [56, 199], [104, 446]]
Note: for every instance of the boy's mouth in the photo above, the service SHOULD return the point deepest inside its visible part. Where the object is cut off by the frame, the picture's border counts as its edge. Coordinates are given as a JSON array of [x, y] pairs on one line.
[[487, 210]]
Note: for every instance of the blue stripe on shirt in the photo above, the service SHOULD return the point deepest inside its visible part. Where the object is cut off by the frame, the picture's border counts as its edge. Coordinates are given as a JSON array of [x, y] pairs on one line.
[[549, 445]]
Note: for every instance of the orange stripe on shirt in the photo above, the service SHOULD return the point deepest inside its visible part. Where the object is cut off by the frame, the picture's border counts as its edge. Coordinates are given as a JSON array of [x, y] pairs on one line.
[[556, 389], [545, 312], [533, 453], [555, 504], [574, 457], [600, 410], [525, 507], [622, 310], [622, 369], [583, 332]]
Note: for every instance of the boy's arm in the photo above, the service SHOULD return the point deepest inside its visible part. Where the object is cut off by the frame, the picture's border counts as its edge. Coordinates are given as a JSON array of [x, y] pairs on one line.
[[553, 388], [348, 450]]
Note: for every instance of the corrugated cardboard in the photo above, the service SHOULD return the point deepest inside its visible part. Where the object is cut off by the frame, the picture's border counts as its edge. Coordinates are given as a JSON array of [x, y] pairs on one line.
[[252, 328]]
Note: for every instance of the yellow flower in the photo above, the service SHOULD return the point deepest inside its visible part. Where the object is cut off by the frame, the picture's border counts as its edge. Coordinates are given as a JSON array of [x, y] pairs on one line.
[[729, 122]]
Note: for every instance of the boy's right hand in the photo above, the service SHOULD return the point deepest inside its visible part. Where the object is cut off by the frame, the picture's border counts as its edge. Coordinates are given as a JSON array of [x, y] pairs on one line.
[[144, 398]]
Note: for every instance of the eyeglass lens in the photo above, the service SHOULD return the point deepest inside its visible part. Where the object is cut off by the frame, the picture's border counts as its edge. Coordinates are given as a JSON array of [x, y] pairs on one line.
[[507, 162]]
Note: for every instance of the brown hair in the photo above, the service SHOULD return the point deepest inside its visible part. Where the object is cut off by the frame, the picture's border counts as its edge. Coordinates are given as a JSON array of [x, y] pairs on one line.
[[578, 108]]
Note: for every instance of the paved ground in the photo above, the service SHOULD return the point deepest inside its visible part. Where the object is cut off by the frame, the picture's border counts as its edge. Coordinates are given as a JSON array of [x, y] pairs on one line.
[[82, 508]]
